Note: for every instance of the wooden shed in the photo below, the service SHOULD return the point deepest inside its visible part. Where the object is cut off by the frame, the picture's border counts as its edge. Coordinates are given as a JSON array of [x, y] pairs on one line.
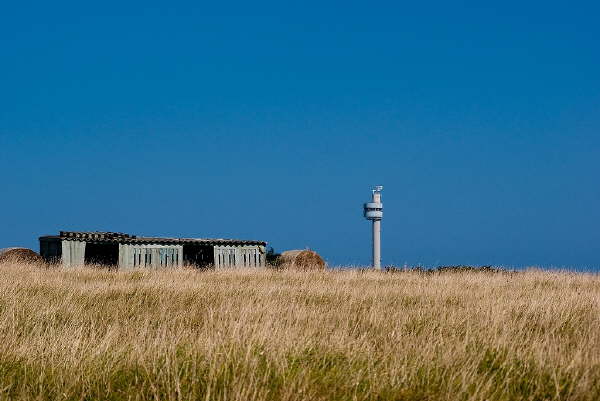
[[74, 248]]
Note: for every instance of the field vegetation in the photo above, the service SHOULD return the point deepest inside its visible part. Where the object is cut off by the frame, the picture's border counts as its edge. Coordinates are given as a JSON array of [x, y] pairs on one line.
[[94, 334]]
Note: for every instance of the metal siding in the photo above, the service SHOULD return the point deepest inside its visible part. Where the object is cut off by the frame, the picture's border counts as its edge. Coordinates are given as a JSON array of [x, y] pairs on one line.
[[66, 253], [150, 256], [125, 258], [73, 253]]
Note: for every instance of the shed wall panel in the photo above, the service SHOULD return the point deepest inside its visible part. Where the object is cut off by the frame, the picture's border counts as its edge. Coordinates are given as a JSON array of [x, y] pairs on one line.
[[73, 253]]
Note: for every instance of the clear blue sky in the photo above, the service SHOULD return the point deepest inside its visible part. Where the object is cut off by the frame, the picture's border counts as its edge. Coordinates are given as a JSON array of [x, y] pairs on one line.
[[272, 121]]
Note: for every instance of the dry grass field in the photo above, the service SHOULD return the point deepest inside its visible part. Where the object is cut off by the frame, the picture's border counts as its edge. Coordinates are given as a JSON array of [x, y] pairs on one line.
[[91, 334]]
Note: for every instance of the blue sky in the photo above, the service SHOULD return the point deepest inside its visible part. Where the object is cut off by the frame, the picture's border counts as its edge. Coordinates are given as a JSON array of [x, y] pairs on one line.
[[273, 122]]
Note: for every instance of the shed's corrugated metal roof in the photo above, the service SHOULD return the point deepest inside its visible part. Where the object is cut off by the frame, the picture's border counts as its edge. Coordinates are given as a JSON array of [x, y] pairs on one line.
[[98, 235], [206, 241], [93, 236]]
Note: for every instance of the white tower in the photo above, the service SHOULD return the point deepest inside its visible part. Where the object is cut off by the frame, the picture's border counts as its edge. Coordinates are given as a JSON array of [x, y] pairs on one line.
[[374, 211]]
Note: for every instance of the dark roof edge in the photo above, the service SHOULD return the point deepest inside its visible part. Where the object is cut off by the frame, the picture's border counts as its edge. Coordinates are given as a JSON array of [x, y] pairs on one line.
[[156, 240], [207, 241]]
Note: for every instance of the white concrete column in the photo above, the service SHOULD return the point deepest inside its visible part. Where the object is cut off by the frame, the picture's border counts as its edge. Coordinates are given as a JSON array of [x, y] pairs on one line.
[[377, 244]]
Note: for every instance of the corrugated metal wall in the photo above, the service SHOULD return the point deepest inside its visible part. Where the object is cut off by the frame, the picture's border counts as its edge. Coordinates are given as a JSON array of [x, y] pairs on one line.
[[73, 253], [239, 256], [151, 256]]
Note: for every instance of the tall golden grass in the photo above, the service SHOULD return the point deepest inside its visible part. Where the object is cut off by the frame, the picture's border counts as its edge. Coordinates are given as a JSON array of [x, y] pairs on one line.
[[91, 334]]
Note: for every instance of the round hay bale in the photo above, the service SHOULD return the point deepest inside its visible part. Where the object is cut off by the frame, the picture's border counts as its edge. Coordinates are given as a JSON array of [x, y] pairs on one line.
[[23, 255], [304, 259]]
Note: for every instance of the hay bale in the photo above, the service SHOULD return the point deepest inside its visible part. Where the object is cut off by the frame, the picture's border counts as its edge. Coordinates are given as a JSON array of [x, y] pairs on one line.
[[304, 259], [22, 255]]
